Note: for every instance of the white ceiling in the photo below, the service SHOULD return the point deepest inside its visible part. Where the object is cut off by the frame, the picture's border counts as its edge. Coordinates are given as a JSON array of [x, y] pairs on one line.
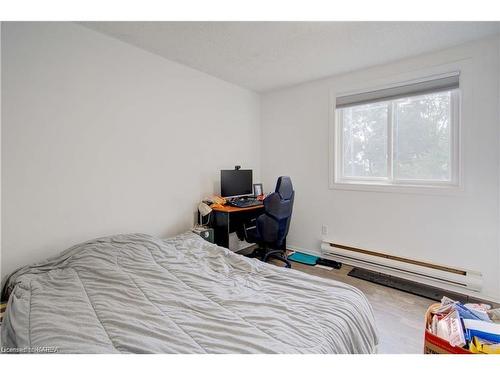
[[263, 56]]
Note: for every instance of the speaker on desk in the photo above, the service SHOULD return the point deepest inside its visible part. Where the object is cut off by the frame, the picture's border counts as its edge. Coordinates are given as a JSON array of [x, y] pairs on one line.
[[206, 233]]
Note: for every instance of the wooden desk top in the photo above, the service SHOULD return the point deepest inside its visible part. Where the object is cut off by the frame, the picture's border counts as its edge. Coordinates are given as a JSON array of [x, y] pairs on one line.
[[227, 208]]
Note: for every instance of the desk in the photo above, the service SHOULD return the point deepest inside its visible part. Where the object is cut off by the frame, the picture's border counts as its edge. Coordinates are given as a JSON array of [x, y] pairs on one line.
[[227, 219]]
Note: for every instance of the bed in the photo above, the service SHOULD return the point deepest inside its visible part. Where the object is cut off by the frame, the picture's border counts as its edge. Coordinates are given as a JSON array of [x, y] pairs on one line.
[[140, 294]]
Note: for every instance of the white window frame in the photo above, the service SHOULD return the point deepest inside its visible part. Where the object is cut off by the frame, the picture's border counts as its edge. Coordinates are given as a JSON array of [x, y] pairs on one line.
[[388, 184]]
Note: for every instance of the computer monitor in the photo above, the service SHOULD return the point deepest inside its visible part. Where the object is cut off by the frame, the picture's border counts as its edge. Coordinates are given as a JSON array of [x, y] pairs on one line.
[[236, 182]]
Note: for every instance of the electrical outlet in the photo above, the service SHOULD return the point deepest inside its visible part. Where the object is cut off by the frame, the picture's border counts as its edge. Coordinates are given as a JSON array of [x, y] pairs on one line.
[[324, 230]]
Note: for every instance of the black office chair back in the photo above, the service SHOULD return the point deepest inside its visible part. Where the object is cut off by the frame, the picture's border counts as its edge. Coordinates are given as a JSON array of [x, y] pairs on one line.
[[273, 225]]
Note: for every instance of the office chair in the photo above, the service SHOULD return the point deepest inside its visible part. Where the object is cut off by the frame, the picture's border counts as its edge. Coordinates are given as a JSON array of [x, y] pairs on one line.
[[271, 228]]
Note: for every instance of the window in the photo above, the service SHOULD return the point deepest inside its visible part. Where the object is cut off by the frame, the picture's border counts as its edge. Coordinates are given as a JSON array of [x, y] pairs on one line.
[[405, 135]]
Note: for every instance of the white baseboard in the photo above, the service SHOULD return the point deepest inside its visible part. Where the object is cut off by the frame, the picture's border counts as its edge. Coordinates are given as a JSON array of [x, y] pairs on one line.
[[319, 253]]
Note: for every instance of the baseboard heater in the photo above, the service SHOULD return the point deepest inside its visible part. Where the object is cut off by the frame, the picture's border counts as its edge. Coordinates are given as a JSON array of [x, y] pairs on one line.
[[411, 269]]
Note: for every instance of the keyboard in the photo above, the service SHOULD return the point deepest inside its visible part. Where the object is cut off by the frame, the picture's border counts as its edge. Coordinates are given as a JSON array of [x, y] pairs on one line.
[[242, 203]]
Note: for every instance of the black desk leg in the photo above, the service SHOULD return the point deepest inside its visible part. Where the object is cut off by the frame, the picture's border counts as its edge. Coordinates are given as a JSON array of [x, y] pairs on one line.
[[221, 228]]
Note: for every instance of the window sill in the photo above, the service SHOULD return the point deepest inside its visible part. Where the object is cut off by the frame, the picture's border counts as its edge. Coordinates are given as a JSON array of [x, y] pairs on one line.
[[397, 188]]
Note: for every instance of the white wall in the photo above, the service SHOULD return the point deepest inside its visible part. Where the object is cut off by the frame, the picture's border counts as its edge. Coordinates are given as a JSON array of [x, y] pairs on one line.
[[455, 229], [100, 137], [499, 159], [0, 146]]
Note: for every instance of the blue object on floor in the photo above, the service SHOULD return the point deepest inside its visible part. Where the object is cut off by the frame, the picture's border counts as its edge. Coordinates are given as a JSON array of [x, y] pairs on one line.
[[303, 258]]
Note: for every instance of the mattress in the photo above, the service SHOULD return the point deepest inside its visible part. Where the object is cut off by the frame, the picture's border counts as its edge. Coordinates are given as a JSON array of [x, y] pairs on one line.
[[140, 294]]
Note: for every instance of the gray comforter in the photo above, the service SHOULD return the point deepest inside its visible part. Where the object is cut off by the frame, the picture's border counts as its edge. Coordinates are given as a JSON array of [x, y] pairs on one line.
[[139, 294]]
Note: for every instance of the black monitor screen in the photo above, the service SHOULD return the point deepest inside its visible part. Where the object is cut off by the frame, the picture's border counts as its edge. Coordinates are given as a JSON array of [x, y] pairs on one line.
[[236, 182]]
